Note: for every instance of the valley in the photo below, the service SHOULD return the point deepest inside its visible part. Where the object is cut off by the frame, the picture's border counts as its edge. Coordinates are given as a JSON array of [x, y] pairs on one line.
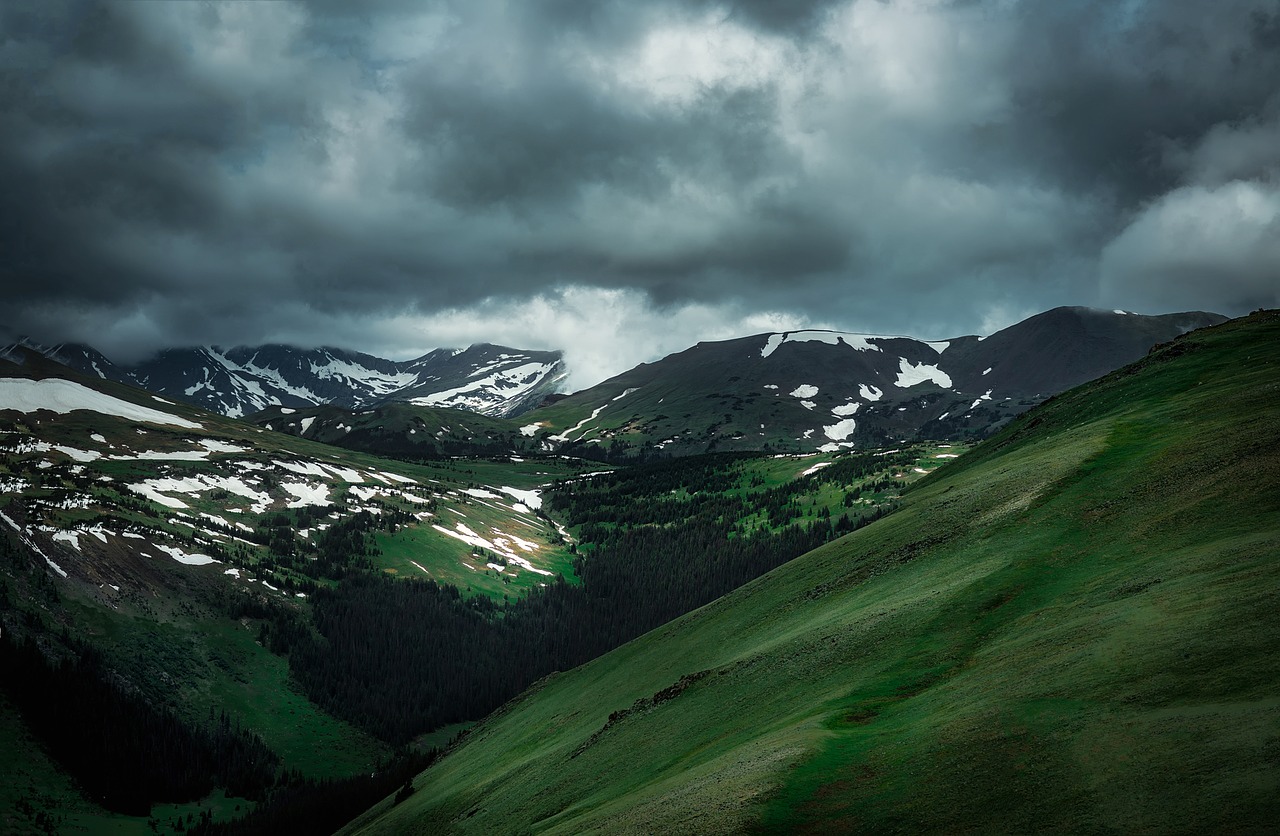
[[212, 564], [346, 592], [552, 418]]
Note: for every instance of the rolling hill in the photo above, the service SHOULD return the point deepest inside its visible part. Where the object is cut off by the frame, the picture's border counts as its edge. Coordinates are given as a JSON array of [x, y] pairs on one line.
[[1071, 628]]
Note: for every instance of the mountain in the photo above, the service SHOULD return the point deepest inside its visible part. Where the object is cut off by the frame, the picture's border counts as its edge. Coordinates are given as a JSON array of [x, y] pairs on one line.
[[488, 379], [177, 554], [1070, 628], [827, 390], [94, 469]]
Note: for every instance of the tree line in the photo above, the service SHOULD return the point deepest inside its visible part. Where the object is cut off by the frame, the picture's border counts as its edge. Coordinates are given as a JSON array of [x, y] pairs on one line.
[[399, 658]]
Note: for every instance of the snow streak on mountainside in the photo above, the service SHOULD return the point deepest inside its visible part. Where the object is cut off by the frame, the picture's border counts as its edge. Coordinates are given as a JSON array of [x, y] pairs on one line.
[[488, 379]]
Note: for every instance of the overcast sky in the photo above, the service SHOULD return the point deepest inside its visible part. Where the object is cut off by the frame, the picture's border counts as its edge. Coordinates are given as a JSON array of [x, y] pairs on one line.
[[623, 179]]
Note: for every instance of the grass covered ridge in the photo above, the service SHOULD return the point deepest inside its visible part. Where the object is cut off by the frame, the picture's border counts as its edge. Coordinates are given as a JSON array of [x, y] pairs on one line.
[[1074, 627]]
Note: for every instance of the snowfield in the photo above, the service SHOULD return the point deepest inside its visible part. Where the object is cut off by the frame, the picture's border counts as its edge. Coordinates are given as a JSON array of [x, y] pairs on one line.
[[63, 396], [188, 559], [840, 430], [858, 342], [911, 375], [482, 395]]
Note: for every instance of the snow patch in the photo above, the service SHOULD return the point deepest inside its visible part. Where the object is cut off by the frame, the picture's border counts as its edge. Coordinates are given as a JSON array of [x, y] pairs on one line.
[[63, 396], [564, 436], [804, 390], [532, 499], [189, 559], [307, 494], [840, 430], [488, 392], [911, 375], [858, 342]]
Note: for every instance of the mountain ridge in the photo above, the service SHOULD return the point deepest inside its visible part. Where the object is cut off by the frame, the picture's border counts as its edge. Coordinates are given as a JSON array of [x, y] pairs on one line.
[[805, 390], [793, 391], [489, 379]]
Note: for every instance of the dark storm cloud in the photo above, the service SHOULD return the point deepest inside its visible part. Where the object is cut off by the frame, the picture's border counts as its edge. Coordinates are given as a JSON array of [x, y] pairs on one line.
[[1102, 89], [180, 172]]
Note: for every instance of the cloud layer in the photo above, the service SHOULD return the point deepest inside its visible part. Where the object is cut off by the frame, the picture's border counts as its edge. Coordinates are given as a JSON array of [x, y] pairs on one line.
[[624, 179]]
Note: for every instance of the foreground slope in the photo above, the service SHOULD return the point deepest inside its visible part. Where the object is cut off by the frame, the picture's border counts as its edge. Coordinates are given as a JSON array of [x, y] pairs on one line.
[[1074, 627]]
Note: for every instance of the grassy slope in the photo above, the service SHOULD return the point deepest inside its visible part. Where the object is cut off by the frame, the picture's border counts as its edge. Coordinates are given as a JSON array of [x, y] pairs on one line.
[[1072, 628]]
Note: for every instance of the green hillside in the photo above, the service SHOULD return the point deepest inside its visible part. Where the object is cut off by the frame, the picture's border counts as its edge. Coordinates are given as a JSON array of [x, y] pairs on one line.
[[1075, 627]]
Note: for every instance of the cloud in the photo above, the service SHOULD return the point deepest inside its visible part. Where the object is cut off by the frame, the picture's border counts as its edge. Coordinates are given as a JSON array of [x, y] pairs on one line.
[[574, 319], [228, 172], [1197, 244]]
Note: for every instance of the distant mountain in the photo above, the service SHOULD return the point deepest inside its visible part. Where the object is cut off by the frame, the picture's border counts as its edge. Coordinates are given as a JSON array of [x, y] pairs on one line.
[[807, 390], [488, 379]]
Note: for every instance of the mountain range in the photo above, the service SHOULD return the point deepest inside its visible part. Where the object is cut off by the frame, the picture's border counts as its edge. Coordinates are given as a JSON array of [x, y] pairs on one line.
[[791, 391], [825, 390], [488, 379]]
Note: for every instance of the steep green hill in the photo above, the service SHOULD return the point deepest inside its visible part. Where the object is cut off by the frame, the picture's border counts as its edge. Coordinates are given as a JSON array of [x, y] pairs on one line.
[[1076, 627]]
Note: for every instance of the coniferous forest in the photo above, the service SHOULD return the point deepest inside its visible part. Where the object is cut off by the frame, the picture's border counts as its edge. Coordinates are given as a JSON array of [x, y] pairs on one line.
[[126, 752], [657, 540], [399, 658]]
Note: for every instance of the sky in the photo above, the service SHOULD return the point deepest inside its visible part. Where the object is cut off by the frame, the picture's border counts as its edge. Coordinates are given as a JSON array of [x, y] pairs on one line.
[[620, 180]]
